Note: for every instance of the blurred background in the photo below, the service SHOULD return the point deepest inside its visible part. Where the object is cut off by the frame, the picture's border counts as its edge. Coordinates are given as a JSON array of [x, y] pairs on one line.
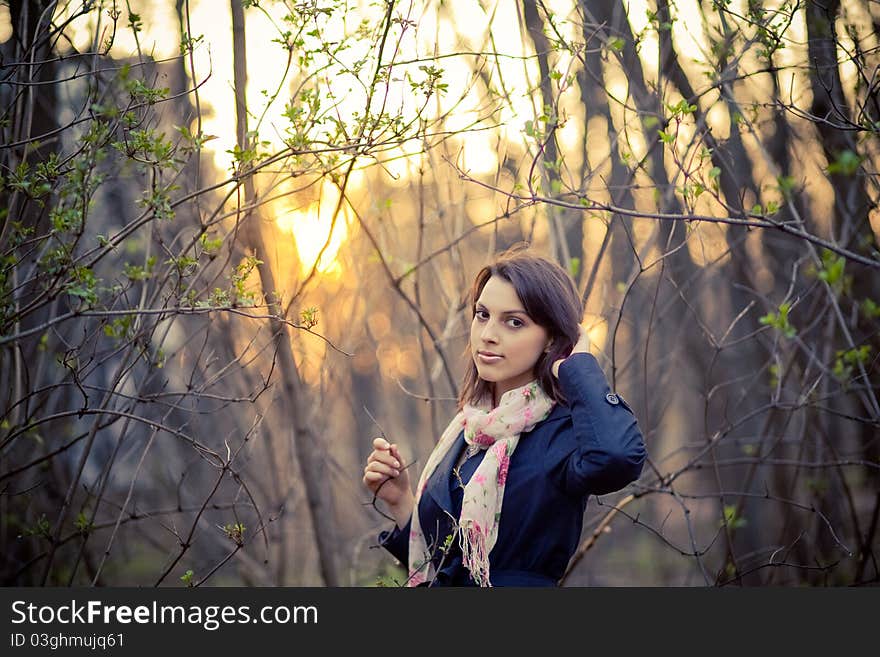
[[237, 240]]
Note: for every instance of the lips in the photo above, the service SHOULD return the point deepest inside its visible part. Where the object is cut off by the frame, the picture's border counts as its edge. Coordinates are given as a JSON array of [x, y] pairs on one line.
[[487, 357]]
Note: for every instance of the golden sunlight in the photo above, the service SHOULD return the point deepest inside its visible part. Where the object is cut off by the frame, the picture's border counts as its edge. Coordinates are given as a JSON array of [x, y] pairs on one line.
[[310, 227], [597, 331], [5, 24]]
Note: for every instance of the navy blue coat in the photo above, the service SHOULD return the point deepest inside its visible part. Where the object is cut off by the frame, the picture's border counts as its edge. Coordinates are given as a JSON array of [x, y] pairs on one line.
[[591, 446]]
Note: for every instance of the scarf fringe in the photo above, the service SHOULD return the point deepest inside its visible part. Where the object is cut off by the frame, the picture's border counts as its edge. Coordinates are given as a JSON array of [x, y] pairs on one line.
[[474, 554]]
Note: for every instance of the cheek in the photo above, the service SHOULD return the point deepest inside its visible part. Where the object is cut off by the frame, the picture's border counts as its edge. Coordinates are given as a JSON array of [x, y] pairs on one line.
[[533, 346]]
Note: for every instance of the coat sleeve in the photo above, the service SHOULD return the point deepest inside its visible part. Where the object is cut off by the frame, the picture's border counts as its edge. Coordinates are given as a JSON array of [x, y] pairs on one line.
[[609, 448], [396, 542]]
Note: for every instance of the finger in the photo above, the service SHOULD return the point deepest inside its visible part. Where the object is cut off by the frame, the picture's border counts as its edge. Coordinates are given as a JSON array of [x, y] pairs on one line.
[[391, 457], [380, 443], [395, 452], [383, 457], [373, 477], [380, 466], [376, 466]]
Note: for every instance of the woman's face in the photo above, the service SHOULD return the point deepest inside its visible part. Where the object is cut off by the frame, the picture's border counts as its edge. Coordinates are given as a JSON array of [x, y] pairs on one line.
[[505, 342]]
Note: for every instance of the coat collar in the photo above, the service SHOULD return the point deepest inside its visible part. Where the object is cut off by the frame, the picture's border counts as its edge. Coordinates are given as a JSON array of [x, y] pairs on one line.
[[559, 411]]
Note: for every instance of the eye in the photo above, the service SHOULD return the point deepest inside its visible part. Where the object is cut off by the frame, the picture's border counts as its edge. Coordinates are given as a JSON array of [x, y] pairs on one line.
[[513, 322]]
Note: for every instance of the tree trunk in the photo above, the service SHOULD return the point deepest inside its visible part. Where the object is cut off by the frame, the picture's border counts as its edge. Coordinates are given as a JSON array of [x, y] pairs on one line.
[[567, 232], [308, 449], [850, 225]]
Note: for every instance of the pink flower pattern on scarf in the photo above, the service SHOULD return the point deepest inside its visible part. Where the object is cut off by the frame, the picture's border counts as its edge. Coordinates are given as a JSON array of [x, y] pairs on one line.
[[503, 462], [483, 439]]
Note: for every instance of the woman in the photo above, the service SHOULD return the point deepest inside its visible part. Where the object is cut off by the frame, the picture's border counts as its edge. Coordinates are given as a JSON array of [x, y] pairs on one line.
[[501, 499]]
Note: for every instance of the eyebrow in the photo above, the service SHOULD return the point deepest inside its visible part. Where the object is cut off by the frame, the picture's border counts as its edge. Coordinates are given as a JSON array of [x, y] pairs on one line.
[[505, 312]]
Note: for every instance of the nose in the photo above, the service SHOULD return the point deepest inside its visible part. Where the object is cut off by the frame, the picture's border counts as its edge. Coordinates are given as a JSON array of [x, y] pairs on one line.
[[487, 335]]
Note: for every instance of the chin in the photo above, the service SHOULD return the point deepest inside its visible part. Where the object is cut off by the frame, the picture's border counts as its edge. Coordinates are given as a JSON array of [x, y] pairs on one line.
[[487, 376]]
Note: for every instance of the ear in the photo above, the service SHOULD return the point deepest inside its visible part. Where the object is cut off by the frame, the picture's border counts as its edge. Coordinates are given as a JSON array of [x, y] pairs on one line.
[[547, 348]]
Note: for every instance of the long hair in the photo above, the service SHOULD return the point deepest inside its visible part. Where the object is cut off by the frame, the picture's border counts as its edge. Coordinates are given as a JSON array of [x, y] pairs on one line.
[[549, 296]]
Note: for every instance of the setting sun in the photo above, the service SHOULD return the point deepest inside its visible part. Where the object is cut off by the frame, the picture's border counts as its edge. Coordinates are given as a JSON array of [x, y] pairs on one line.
[[310, 227]]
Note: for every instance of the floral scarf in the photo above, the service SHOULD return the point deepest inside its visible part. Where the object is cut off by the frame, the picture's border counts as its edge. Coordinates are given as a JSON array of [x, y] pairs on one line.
[[496, 430]]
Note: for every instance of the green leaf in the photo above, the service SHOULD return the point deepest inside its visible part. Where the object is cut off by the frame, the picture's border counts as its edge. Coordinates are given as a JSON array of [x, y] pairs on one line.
[[832, 267], [731, 519], [846, 164], [786, 185], [780, 321], [870, 308], [82, 524], [309, 317]]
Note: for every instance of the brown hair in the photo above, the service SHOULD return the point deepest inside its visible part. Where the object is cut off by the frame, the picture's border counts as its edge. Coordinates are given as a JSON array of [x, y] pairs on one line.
[[549, 296]]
